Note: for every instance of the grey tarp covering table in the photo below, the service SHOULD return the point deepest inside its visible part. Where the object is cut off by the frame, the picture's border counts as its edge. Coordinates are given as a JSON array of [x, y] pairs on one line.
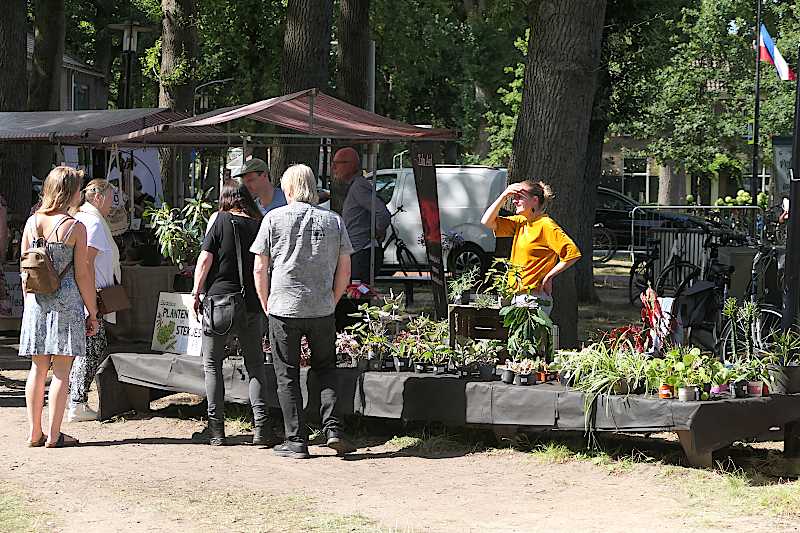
[[128, 381]]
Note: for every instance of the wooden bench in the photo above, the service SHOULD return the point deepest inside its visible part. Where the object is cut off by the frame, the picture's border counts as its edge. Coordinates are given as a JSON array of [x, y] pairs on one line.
[[408, 283]]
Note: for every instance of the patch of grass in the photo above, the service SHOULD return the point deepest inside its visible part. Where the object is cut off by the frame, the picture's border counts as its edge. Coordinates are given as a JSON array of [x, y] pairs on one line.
[[247, 510], [404, 443], [16, 513], [553, 453]]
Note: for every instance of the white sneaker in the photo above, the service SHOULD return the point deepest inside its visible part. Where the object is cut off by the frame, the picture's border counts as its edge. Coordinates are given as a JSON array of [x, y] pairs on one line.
[[80, 412]]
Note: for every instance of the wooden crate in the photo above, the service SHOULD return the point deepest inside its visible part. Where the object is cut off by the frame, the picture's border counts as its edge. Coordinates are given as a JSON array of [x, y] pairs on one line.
[[474, 323]]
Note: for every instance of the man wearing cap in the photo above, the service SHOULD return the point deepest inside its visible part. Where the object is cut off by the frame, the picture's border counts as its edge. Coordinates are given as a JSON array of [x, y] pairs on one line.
[[357, 214], [255, 176]]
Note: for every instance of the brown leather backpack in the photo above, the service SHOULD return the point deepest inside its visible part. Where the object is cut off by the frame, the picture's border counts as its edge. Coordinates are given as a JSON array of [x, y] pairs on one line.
[[36, 267]]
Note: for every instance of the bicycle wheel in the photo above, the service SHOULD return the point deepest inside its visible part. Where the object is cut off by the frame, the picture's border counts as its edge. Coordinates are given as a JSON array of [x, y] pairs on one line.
[[761, 332], [673, 278], [604, 245], [637, 279]]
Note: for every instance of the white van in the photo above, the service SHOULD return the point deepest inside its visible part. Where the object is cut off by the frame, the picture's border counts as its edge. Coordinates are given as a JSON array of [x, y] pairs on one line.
[[465, 192]]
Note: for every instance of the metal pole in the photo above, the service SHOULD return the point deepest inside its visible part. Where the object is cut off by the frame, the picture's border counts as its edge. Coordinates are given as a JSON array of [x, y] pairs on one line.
[[372, 159], [757, 110], [791, 278]]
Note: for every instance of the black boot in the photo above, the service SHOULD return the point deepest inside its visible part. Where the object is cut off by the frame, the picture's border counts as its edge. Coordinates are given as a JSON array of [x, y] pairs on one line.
[[264, 435], [336, 440], [216, 432]]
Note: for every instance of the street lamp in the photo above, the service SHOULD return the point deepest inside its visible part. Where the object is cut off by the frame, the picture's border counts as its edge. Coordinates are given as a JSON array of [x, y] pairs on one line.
[[130, 41], [204, 97]]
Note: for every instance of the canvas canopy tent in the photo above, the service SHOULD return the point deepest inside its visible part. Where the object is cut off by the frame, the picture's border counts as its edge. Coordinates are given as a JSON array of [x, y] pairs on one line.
[[87, 127], [310, 113]]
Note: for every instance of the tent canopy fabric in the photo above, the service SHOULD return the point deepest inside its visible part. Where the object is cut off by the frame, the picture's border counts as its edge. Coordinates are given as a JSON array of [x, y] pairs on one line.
[[311, 113], [78, 127]]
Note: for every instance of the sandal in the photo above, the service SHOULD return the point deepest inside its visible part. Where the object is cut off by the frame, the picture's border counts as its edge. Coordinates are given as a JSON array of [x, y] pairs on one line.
[[64, 441], [37, 443]]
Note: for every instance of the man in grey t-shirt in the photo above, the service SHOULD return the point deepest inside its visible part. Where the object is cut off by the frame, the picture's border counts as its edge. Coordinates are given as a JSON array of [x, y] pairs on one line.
[[302, 269]]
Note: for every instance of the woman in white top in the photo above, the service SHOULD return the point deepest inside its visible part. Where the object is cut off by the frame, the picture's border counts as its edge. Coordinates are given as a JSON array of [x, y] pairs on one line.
[[103, 258]]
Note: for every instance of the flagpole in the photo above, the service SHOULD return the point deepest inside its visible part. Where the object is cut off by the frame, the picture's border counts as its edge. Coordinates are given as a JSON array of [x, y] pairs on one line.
[[757, 110]]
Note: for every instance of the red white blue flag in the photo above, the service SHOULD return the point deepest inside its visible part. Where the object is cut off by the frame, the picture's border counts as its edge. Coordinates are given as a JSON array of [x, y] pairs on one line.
[[770, 53]]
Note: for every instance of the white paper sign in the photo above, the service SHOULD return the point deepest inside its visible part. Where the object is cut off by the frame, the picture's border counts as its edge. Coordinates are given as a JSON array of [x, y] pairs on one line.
[[176, 330], [12, 301]]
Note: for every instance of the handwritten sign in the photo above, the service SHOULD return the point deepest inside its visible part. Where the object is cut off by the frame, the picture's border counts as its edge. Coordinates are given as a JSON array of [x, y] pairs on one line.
[[12, 301], [176, 330]]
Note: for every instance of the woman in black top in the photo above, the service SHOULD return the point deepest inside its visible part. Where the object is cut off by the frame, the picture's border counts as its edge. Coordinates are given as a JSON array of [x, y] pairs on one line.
[[231, 307]]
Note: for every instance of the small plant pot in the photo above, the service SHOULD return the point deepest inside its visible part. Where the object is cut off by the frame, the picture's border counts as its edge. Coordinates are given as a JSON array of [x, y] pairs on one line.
[[421, 368], [362, 365], [508, 376], [402, 364], [688, 394], [720, 389], [666, 392], [525, 379], [486, 371], [765, 390], [387, 364], [739, 389], [755, 389], [621, 386], [374, 365], [565, 379], [438, 369], [541, 377]]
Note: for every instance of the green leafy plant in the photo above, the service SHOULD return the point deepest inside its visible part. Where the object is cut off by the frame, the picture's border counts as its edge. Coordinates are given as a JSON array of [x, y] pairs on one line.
[[463, 283], [485, 301], [180, 232], [528, 331]]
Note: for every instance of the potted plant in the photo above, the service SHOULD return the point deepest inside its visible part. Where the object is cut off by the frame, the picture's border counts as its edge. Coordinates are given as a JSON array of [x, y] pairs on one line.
[[739, 377], [461, 286], [180, 233], [525, 371], [661, 375], [508, 374], [785, 349], [720, 379], [687, 374]]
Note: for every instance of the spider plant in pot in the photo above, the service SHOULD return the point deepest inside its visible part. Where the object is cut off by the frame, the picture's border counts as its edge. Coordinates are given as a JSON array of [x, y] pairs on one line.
[[502, 279], [461, 286]]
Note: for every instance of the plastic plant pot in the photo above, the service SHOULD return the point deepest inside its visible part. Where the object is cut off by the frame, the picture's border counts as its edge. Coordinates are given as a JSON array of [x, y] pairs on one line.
[[666, 392], [402, 364], [421, 368], [525, 379], [755, 389], [486, 371], [508, 376], [438, 369], [739, 389], [720, 389], [687, 394]]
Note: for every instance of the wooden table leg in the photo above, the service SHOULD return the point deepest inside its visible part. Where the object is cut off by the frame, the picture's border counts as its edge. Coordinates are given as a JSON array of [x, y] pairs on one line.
[[697, 458], [791, 440]]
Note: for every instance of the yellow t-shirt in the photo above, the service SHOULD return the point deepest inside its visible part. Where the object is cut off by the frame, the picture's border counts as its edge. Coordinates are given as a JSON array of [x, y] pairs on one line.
[[538, 246]]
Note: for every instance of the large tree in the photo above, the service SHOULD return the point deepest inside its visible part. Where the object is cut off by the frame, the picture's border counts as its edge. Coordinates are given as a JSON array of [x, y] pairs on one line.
[[550, 140], [45, 78], [305, 64], [15, 185], [178, 53], [353, 52]]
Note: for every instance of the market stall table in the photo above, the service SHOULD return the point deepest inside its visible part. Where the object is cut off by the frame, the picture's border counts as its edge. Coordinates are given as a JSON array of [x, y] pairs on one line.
[[130, 381]]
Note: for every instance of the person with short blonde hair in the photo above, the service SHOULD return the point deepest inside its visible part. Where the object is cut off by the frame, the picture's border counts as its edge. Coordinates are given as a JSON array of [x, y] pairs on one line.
[[54, 326], [541, 249], [299, 182], [302, 269], [103, 257]]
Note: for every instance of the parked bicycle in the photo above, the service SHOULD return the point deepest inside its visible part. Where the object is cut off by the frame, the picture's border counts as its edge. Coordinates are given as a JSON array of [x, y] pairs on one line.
[[604, 244], [642, 273], [405, 259]]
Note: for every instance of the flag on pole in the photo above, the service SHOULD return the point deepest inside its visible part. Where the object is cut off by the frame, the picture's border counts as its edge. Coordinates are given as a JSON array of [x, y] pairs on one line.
[[769, 52]]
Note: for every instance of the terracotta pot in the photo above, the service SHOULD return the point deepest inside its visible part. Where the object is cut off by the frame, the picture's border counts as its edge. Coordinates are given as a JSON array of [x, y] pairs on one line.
[[666, 392], [541, 377]]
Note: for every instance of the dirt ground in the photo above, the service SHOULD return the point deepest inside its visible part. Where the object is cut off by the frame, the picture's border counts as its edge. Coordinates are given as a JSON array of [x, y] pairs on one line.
[[145, 473]]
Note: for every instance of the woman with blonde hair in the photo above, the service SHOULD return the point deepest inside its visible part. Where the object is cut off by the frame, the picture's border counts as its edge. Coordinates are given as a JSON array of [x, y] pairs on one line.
[[103, 258], [54, 327], [541, 250]]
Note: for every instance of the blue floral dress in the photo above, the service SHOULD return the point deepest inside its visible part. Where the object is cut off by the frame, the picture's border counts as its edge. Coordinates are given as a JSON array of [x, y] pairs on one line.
[[54, 324]]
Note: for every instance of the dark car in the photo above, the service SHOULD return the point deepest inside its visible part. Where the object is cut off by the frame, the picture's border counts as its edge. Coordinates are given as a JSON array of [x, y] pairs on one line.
[[614, 212]]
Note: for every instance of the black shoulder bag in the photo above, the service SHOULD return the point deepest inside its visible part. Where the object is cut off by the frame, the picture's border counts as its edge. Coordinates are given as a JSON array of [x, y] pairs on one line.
[[220, 310]]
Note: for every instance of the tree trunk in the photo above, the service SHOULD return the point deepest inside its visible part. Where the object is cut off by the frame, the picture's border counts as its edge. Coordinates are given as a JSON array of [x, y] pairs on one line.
[[103, 47], [49, 28], [15, 162], [550, 140], [353, 52], [671, 184], [305, 63], [178, 52]]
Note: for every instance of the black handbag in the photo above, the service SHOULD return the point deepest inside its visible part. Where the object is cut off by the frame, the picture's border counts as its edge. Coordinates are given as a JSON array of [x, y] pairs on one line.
[[220, 310]]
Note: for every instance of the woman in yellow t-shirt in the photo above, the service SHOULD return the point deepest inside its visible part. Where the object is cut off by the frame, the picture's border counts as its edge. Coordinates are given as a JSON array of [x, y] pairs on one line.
[[541, 249]]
